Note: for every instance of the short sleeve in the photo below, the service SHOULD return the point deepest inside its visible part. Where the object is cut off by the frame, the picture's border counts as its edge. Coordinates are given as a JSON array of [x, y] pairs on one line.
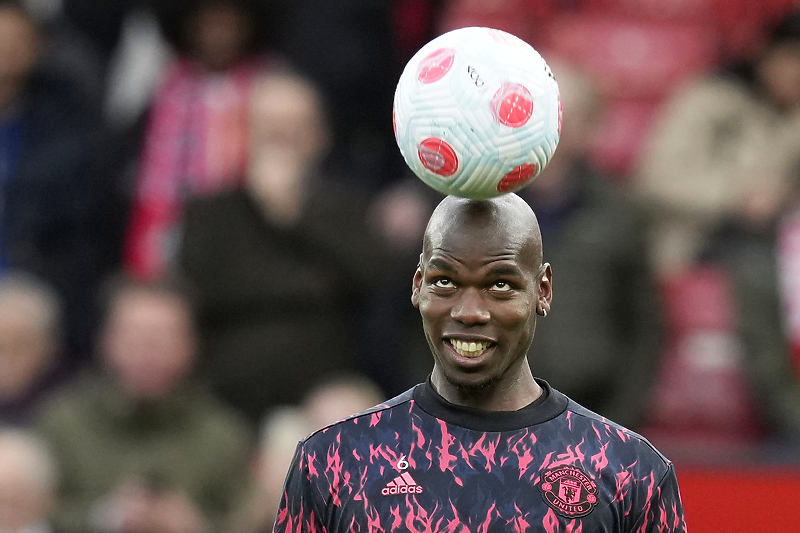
[[664, 510]]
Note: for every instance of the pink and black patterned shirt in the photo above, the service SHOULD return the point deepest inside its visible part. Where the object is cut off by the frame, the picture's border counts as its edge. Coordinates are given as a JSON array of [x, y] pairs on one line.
[[420, 464]]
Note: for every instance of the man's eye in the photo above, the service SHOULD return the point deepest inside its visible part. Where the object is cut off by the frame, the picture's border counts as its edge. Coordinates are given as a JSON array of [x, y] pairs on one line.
[[444, 283], [501, 286]]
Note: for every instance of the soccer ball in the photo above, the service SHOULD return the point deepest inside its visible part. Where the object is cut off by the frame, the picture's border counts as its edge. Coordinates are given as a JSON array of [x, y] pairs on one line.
[[477, 113]]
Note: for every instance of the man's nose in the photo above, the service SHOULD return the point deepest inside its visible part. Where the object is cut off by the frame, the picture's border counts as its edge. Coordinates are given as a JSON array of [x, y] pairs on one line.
[[470, 308]]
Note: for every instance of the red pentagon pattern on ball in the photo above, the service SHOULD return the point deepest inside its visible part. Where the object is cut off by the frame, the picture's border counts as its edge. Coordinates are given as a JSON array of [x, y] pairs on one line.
[[435, 65], [512, 104], [438, 156], [517, 177]]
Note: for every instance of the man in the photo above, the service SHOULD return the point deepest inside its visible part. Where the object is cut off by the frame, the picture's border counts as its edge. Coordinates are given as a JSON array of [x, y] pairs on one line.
[[482, 445], [267, 339], [141, 447]]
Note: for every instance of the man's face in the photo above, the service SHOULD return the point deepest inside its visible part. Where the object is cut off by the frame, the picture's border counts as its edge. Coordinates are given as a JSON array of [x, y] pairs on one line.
[[477, 289], [148, 343], [18, 44], [219, 33], [287, 136], [779, 72]]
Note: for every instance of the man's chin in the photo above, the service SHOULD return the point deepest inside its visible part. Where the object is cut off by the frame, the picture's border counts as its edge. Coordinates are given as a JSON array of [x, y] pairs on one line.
[[470, 383]]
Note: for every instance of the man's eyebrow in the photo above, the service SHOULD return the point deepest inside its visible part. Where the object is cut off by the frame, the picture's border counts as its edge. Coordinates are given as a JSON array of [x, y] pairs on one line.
[[440, 264], [505, 270]]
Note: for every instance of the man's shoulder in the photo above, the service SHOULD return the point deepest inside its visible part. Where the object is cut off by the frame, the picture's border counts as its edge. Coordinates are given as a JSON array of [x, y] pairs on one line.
[[617, 438]]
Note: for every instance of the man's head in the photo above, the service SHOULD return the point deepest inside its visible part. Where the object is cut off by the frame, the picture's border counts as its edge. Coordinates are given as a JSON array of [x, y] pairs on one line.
[[338, 397], [27, 481], [148, 338], [30, 316], [778, 64], [479, 286], [219, 32], [19, 51], [288, 138], [287, 116]]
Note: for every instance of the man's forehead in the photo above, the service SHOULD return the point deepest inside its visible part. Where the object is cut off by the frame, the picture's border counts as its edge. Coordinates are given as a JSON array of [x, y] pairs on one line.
[[491, 242], [493, 230], [451, 253]]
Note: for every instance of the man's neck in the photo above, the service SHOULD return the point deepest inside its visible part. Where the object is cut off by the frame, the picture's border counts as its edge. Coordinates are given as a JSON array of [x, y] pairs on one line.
[[505, 394]]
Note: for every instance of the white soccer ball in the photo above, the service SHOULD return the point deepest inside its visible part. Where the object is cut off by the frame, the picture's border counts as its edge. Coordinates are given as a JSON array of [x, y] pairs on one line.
[[477, 113]]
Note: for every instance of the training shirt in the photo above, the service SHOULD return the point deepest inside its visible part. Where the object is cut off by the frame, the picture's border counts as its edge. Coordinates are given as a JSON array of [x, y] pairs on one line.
[[421, 464]]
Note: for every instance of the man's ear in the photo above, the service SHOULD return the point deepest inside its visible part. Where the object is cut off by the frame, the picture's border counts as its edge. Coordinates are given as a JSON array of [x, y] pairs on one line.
[[416, 285], [545, 290]]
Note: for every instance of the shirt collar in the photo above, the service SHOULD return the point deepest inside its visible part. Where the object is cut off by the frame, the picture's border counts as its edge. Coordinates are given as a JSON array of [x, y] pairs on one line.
[[548, 406]]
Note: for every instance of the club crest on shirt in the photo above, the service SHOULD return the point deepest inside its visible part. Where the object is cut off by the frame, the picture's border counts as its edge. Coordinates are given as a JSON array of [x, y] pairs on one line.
[[569, 491]]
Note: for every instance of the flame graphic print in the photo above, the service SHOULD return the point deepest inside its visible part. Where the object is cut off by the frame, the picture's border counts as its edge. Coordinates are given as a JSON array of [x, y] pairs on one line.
[[447, 477]]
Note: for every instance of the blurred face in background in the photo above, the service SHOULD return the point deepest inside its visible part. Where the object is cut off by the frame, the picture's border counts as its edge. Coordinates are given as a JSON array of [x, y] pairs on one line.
[[27, 343], [19, 49], [331, 402], [148, 342], [219, 34], [779, 72], [288, 137]]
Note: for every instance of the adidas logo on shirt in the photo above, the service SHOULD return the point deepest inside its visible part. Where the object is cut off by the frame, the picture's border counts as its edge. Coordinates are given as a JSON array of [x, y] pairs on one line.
[[402, 484]]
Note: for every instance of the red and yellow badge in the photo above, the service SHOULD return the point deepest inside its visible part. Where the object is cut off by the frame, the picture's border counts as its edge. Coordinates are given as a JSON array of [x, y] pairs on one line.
[[569, 491]]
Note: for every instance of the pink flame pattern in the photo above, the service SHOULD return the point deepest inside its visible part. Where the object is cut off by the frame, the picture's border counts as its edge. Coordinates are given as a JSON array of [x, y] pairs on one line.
[[452, 479]]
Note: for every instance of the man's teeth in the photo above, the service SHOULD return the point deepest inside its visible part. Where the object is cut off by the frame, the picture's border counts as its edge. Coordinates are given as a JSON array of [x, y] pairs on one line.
[[469, 349]]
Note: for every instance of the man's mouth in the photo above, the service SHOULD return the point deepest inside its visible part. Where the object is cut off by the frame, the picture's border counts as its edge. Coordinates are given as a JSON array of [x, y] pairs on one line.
[[469, 348]]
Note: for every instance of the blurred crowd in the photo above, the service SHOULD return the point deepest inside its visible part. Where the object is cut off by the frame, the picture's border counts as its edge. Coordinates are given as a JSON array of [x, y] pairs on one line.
[[208, 235]]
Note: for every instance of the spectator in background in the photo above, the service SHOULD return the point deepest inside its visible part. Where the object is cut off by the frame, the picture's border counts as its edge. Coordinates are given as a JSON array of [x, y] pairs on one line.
[[279, 265], [52, 222], [760, 252], [28, 481], [30, 346], [725, 144], [195, 143], [141, 448], [332, 400], [601, 347]]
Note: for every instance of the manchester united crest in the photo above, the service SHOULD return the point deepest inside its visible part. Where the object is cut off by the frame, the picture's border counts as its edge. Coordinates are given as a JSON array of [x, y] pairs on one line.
[[569, 491]]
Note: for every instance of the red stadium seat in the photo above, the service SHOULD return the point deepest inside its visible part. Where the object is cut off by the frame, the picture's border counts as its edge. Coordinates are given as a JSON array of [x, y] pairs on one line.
[[701, 391], [634, 58], [617, 145], [523, 18], [675, 10], [743, 24]]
